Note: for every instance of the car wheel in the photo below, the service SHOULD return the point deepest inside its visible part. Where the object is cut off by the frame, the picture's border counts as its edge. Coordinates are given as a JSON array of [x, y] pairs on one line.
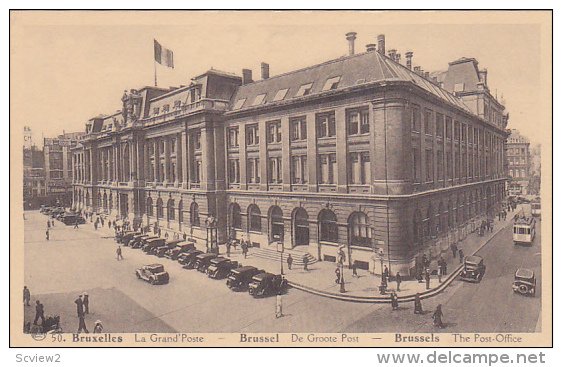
[[523, 289]]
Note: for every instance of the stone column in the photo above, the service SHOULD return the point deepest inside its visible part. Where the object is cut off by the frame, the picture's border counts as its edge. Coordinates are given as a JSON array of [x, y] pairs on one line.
[[156, 160], [341, 150], [286, 154], [311, 152], [207, 159], [243, 156], [166, 159], [184, 159]]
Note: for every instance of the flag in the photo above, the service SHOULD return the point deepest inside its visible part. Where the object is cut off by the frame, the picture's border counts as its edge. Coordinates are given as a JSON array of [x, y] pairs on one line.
[[163, 56]]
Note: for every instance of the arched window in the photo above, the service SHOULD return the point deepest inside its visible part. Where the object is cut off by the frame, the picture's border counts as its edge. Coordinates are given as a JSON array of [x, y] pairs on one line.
[[359, 230], [328, 223], [194, 215], [180, 212], [254, 218], [149, 207], [235, 216], [171, 210], [159, 208], [418, 228]]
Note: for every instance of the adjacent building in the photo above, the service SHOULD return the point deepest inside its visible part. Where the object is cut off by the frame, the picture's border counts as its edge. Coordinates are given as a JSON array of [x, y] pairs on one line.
[[34, 189], [519, 163], [362, 153]]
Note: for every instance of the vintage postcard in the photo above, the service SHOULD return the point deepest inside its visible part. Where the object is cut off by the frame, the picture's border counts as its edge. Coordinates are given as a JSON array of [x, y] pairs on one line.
[[289, 178]]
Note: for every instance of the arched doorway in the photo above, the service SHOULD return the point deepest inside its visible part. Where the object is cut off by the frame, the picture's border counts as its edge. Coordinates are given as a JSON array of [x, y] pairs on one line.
[[300, 228], [276, 225]]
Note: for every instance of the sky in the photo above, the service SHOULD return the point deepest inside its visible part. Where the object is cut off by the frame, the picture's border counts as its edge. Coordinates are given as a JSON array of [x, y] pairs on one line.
[[70, 66]]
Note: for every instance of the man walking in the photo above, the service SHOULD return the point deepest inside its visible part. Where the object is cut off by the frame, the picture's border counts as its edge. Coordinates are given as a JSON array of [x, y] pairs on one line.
[[82, 324], [48, 223], [354, 270], [39, 313], [79, 306], [76, 223], [86, 303], [386, 274], [289, 261], [461, 255], [47, 234], [26, 296], [454, 249], [228, 244], [119, 254], [305, 262], [398, 281], [427, 278]]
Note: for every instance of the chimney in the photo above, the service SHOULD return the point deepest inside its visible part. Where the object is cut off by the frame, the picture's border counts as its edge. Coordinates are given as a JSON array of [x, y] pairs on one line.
[[398, 57], [426, 74], [246, 76], [350, 37], [264, 70], [371, 47], [417, 69], [392, 54], [483, 75], [380, 41], [409, 56]]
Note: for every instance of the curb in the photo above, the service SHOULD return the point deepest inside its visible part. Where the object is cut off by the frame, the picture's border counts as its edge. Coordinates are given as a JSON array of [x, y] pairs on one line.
[[386, 299]]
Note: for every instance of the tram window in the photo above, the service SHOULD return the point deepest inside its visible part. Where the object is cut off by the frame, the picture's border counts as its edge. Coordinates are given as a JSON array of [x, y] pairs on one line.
[[514, 230], [528, 230]]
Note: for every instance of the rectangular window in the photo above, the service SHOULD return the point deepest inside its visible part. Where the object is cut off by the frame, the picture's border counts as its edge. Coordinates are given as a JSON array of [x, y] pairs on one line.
[[304, 90], [328, 167], [463, 132], [416, 117], [429, 165], [359, 168], [252, 135], [326, 125], [428, 114], [233, 137], [298, 128], [449, 165], [253, 170], [457, 166], [299, 169], [416, 165], [439, 122], [448, 127], [463, 165], [440, 165], [233, 171], [197, 140], [457, 130], [274, 132], [274, 171], [358, 122]]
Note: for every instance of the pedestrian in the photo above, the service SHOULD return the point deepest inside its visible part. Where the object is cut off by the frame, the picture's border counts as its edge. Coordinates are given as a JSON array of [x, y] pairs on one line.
[[398, 281], [418, 310], [438, 317], [53, 222], [47, 234], [98, 327], [79, 305], [278, 306], [461, 255], [454, 249], [109, 224], [119, 253], [491, 226], [386, 273], [394, 301], [354, 270], [102, 222], [166, 235], [96, 225], [228, 244], [76, 223], [338, 275], [82, 324], [305, 262], [427, 278], [48, 223], [439, 273], [26, 296], [39, 313], [289, 261], [86, 303], [245, 249], [159, 232], [184, 236]]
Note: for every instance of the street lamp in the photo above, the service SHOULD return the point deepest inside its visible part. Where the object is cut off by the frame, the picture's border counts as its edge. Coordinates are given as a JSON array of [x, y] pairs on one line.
[[279, 241], [212, 234], [340, 261]]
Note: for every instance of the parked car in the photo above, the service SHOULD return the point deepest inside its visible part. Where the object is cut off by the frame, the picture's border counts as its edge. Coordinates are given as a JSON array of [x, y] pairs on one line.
[[71, 219], [45, 209], [473, 269], [161, 250], [187, 259], [139, 241], [267, 284], [202, 261], [153, 273], [179, 249], [126, 237], [151, 243], [220, 267], [239, 278], [525, 282]]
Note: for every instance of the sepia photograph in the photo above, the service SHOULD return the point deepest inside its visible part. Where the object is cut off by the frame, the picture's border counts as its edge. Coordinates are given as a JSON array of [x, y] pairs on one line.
[[281, 178]]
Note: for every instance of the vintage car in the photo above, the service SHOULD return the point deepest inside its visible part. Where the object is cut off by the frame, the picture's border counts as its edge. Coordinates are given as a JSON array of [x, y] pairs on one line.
[[152, 243], [187, 259], [138, 242], [56, 212], [525, 282], [126, 237], [179, 249], [239, 278], [161, 250], [153, 273], [220, 267], [71, 219], [202, 261], [45, 209], [473, 269], [267, 284]]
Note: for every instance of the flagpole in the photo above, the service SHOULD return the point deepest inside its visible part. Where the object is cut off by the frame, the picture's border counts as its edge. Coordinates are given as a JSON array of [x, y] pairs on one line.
[[155, 77]]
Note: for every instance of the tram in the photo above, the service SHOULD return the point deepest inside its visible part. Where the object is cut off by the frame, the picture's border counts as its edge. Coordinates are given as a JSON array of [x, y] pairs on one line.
[[524, 231], [536, 208]]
